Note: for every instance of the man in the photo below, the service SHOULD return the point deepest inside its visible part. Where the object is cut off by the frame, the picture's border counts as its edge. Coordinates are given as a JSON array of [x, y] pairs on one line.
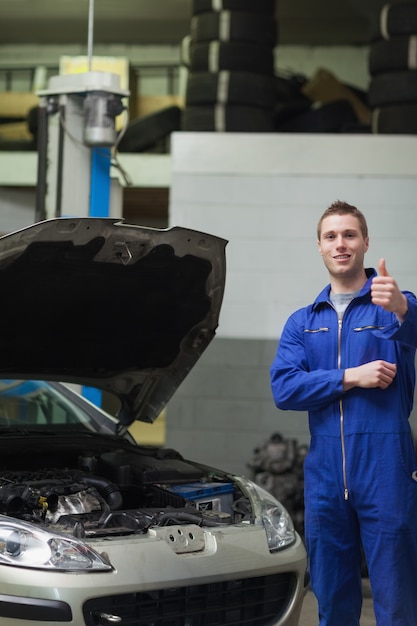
[[348, 359]]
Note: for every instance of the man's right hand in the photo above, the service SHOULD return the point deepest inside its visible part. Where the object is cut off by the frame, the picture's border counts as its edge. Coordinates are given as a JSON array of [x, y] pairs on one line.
[[370, 375]]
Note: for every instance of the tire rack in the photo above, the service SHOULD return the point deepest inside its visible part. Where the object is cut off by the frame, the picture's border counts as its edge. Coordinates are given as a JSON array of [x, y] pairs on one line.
[[229, 56], [393, 70]]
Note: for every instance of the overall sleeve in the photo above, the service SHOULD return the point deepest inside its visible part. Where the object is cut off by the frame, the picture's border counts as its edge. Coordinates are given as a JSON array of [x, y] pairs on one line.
[[405, 333], [293, 385]]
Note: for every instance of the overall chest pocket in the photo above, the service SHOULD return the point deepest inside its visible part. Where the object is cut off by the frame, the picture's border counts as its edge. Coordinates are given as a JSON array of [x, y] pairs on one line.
[[320, 346]]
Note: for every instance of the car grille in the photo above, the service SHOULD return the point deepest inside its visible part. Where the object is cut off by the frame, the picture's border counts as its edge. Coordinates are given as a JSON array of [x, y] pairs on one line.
[[250, 601]]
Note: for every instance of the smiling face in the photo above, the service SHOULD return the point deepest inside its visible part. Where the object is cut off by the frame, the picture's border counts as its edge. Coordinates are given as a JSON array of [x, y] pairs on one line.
[[343, 247]]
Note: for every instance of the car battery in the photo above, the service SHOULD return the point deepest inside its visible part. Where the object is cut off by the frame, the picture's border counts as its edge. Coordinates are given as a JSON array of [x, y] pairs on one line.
[[206, 496]]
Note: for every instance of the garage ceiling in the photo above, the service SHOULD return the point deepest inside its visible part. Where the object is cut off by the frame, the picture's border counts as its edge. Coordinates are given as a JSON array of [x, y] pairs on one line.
[[166, 22]]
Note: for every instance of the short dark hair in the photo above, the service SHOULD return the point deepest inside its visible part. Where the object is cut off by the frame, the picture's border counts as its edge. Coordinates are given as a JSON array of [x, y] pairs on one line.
[[343, 208]]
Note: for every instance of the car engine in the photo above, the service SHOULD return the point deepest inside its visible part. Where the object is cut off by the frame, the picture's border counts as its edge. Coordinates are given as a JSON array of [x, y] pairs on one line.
[[117, 492]]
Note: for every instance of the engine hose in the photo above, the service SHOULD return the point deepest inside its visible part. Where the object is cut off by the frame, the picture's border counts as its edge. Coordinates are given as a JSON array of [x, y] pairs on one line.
[[109, 491]]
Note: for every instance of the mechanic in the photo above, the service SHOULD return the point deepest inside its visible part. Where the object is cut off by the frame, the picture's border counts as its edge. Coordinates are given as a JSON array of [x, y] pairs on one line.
[[348, 359]]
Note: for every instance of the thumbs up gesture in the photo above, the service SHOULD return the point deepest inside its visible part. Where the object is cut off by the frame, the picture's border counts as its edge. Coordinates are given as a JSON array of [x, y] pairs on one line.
[[382, 268], [386, 293]]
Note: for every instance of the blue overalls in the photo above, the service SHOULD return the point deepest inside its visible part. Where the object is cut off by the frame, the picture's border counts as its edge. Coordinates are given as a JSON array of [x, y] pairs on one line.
[[361, 470]]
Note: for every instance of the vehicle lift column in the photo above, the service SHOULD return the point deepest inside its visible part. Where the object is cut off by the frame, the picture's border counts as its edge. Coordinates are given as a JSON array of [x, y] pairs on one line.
[[77, 131]]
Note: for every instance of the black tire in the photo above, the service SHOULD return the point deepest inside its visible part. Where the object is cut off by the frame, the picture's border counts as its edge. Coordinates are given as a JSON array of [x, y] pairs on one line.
[[399, 53], [33, 120], [331, 117], [222, 118], [395, 20], [397, 119], [288, 88], [234, 26], [17, 145], [252, 6], [185, 51], [234, 57], [393, 88], [230, 88], [144, 132]]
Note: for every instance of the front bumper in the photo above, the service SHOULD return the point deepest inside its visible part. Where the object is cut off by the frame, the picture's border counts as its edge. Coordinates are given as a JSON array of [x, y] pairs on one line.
[[234, 562]]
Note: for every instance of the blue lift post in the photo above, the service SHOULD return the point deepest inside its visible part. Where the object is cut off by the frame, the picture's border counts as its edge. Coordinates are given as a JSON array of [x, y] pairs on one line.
[[99, 207]]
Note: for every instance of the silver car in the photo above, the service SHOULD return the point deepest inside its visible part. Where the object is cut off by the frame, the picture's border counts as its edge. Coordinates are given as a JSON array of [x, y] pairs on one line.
[[96, 529]]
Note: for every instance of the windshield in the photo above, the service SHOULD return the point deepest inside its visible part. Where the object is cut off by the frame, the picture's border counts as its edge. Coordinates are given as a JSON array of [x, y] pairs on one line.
[[31, 404]]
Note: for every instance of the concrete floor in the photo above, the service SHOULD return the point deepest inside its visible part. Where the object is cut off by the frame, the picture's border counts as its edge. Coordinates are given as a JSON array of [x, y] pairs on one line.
[[309, 613]]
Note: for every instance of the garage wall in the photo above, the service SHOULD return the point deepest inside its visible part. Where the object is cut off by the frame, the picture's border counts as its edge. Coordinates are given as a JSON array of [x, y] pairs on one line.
[[224, 407], [265, 195]]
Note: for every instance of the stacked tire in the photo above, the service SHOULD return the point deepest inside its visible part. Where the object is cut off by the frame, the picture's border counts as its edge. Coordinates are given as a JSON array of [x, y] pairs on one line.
[[229, 56], [393, 70]]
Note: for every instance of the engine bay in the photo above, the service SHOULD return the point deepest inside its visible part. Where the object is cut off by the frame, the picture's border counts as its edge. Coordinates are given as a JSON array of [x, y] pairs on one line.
[[115, 491]]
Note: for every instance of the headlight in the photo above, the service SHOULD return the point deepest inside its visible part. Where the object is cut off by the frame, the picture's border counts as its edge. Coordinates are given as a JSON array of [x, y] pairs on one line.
[[24, 545], [271, 514]]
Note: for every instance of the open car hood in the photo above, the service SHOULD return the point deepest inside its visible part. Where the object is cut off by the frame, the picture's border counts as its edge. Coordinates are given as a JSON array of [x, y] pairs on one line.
[[123, 308]]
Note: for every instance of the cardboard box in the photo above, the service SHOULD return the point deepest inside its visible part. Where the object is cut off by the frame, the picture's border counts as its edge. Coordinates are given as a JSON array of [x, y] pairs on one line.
[[15, 131], [150, 104], [14, 104]]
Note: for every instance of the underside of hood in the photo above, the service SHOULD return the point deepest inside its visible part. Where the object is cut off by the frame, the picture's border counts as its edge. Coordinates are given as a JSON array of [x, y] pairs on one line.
[[97, 302]]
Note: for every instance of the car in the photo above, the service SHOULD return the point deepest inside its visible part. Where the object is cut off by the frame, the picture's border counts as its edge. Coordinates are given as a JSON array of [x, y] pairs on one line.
[[95, 528]]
